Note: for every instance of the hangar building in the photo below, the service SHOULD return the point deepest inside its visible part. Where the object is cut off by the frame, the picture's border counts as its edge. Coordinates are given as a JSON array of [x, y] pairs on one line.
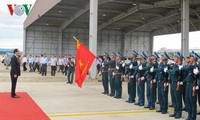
[[122, 25]]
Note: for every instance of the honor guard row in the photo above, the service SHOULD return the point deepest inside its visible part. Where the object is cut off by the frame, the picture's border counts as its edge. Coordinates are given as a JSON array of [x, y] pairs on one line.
[[160, 78]]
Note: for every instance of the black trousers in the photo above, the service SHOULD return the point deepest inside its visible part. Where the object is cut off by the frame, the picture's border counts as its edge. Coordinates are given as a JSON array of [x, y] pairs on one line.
[[53, 70], [66, 69], [61, 67], [24, 66], [44, 69], [13, 85], [37, 67]]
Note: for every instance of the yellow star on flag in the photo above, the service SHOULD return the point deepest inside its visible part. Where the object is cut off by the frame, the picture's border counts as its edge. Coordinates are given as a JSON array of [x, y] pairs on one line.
[[80, 63]]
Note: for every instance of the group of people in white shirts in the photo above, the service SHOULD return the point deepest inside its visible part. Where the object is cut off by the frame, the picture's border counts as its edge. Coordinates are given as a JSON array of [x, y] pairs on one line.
[[41, 62]]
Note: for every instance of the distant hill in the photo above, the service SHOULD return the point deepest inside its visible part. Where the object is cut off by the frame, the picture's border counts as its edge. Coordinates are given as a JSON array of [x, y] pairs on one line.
[[5, 50]]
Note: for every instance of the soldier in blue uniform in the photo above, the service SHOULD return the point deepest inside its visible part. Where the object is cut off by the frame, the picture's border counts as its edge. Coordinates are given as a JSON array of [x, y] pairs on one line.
[[191, 87], [198, 90], [183, 77], [141, 79], [151, 81], [176, 83], [111, 67], [104, 72], [162, 83], [118, 76], [132, 78]]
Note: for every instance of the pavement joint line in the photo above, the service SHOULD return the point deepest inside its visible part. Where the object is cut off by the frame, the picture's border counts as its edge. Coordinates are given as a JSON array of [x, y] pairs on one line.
[[100, 113]]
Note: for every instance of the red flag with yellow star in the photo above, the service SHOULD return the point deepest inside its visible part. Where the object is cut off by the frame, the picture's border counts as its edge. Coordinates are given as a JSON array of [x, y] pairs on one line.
[[84, 60]]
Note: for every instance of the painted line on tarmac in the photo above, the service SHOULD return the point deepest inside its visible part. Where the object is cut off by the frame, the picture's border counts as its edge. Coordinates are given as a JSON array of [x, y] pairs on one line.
[[100, 113]]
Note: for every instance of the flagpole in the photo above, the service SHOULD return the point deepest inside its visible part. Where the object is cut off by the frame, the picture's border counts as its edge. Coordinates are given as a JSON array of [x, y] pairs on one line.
[[75, 38], [95, 56]]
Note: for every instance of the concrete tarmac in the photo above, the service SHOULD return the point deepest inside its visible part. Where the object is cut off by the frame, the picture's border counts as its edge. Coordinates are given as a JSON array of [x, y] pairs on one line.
[[61, 101]]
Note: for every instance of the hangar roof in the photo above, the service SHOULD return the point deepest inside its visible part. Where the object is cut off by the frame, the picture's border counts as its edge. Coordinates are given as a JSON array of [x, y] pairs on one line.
[[157, 16]]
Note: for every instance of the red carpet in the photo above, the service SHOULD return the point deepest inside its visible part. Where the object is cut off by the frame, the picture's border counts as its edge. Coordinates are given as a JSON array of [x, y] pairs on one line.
[[23, 108]]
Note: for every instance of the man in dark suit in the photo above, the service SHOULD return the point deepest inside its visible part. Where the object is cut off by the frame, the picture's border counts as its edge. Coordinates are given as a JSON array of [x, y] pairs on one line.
[[14, 72]]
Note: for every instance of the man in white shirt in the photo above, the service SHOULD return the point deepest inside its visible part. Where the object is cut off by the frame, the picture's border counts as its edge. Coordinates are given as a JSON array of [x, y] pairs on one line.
[[24, 62], [31, 63], [37, 62], [44, 65], [53, 65], [61, 64], [40, 59]]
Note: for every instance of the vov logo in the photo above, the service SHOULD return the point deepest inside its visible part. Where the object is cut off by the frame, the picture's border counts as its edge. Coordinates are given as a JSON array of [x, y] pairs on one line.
[[19, 10]]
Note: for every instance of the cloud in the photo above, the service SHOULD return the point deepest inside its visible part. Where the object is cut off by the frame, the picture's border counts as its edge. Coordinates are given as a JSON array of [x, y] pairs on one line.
[[12, 43]]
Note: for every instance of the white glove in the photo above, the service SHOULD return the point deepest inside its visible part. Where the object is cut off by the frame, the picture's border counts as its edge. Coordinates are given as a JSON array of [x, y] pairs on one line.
[[197, 87], [140, 67], [166, 84], [142, 78], [123, 65], [195, 71], [102, 65], [194, 88], [117, 67], [99, 73], [131, 66], [165, 69], [131, 76], [180, 67], [181, 83], [154, 80], [151, 70], [113, 73]]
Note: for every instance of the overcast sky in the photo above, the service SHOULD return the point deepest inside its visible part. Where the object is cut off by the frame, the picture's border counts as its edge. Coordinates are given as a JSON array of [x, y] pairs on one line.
[[11, 27], [11, 30], [173, 41]]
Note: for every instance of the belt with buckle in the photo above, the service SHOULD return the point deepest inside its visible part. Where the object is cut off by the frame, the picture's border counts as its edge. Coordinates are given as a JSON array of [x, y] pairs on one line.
[[104, 71], [111, 69]]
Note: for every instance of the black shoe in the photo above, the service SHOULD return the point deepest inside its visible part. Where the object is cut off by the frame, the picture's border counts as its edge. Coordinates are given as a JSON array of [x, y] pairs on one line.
[[15, 96], [131, 101], [136, 104], [146, 106], [170, 105], [172, 115], [127, 101], [177, 117], [198, 113], [118, 97], [103, 92], [157, 102], [184, 109], [111, 95], [164, 112], [158, 111], [151, 108], [141, 104]]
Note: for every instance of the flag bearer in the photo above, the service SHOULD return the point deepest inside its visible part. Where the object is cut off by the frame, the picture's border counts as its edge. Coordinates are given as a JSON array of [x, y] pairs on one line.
[[104, 72]]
